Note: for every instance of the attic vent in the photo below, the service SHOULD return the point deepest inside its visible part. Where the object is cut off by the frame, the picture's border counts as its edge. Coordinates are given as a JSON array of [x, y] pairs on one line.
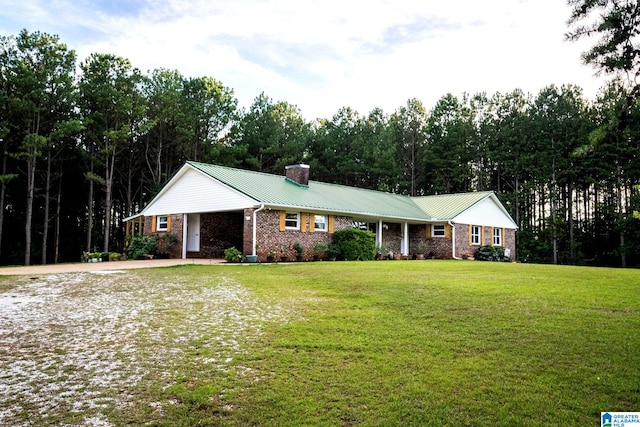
[[298, 173]]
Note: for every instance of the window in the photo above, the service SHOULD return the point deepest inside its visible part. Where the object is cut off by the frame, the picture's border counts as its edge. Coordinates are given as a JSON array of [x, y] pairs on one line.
[[361, 225], [162, 223], [475, 234], [437, 230], [320, 223], [364, 225], [292, 221], [497, 236]]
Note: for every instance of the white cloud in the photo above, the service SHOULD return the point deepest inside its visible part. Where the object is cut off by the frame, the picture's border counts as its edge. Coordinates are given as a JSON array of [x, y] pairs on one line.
[[322, 55]]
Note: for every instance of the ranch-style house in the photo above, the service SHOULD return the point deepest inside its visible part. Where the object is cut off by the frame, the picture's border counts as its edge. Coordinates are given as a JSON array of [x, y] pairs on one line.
[[210, 208]]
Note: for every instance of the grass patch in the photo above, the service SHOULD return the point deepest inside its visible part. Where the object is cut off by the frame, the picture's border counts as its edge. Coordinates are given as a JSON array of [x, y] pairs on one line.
[[362, 343]]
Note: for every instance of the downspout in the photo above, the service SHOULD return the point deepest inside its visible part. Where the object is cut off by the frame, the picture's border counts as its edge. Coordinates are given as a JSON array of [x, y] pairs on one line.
[[253, 252], [453, 240]]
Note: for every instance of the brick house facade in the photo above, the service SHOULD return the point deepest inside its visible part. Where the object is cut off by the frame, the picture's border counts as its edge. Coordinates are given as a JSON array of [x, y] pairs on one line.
[[215, 207]]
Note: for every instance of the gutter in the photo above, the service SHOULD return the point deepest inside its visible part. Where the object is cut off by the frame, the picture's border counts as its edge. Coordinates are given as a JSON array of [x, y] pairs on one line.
[[354, 214], [453, 240], [253, 245]]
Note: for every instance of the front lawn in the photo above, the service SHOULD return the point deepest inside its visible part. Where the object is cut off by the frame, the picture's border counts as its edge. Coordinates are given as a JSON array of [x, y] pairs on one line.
[[330, 343]]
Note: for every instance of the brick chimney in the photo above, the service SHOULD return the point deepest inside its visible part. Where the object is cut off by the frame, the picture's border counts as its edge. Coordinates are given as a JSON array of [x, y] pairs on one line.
[[298, 173]]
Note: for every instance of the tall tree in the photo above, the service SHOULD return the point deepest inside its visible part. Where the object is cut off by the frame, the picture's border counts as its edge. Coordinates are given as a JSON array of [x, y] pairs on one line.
[[617, 52], [270, 136], [43, 70], [409, 128], [447, 154], [379, 153], [7, 54], [210, 109], [109, 88], [560, 124], [617, 22]]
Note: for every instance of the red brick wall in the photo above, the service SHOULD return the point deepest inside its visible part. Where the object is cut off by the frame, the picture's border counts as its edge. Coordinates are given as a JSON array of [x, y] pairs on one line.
[[462, 240], [220, 231], [439, 247], [271, 239], [176, 229]]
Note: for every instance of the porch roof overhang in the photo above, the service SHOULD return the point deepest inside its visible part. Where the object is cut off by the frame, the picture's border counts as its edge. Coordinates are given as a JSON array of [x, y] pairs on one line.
[[132, 217]]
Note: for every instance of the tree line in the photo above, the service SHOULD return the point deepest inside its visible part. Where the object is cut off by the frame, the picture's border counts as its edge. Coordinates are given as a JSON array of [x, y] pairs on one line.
[[86, 145]]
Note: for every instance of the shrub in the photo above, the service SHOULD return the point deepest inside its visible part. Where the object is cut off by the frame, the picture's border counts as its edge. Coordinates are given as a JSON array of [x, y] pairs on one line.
[[320, 250], [139, 246], [232, 255], [333, 251], [355, 244], [490, 253]]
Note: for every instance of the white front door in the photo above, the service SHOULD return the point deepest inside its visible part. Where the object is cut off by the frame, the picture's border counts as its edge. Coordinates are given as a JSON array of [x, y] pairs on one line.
[[193, 233]]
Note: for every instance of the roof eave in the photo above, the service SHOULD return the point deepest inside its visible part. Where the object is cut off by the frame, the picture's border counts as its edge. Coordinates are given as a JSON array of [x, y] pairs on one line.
[[354, 214]]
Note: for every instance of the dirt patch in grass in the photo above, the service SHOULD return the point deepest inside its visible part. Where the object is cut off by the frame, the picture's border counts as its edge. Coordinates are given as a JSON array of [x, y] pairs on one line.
[[76, 347]]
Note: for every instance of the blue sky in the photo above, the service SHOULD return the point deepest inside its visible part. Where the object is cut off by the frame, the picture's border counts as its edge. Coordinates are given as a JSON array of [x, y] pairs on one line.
[[323, 55]]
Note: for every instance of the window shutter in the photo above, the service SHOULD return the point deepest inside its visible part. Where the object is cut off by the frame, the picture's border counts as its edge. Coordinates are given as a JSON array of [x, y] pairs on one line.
[[312, 223], [331, 223], [283, 217], [504, 240], [482, 236], [168, 223], [447, 231], [470, 231], [303, 222], [153, 224], [427, 234]]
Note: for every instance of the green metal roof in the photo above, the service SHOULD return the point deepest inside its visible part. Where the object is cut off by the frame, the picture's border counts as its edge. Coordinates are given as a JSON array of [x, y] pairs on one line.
[[277, 191], [448, 206]]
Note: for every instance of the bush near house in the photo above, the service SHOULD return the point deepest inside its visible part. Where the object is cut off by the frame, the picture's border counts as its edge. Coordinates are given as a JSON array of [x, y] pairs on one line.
[[355, 244], [232, 254], [139, 246], [491, 253]]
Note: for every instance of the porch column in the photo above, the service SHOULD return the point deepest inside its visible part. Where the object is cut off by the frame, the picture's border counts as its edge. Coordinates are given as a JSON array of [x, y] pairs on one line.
[[405, 240], [184, 236], [379, 233]]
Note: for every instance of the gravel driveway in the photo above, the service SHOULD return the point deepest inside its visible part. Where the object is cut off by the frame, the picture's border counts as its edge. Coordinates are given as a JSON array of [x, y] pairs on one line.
[[102, 266], [73, 346]]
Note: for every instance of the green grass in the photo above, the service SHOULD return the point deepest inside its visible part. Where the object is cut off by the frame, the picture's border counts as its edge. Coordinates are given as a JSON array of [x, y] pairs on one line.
[[392, 343]]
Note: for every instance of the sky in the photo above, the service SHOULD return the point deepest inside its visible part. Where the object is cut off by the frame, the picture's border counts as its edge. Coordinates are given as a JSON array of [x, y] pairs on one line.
[[324, 55]]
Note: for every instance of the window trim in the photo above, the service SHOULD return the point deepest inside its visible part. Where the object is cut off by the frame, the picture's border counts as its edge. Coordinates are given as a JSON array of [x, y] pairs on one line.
[[476, 235], [325, 221], [444, 230], [162, 225], [287, 219], [497, 236]]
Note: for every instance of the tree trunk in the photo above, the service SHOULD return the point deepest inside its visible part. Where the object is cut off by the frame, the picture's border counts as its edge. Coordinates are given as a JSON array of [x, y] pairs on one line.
[[31, 177], [56, 250], [623, 255], [90, 208], [3, 188], [47, 193], [572, 243], [108, 199]]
